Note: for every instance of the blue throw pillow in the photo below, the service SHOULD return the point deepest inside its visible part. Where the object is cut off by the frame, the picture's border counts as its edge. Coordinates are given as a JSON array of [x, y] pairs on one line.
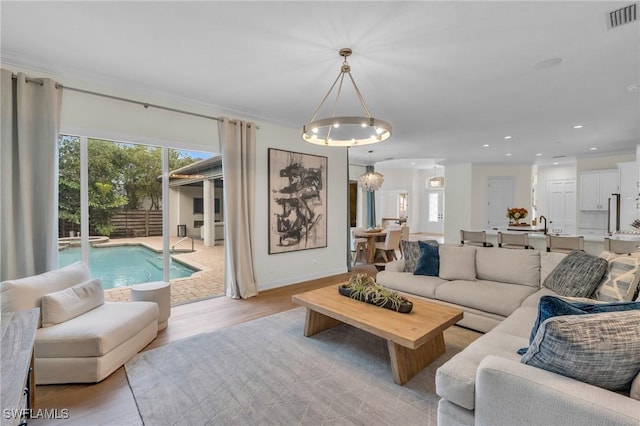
[[551, 306], [429, 261]]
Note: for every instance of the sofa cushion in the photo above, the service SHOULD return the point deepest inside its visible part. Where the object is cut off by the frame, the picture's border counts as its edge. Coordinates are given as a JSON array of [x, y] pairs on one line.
[[456, 379], [488, 296], [548, 262], [457, 262], [429, 261], [577, 275], [519, 322], [96, 332], [621, 280], [534, 300], [420, 285], [65, 304], [599, 349], [508, 266], [25, 293], [635, 388], [551, 306]]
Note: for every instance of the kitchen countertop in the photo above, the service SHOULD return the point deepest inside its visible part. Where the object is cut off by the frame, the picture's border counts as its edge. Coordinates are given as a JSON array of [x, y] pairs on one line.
[[539, 233]]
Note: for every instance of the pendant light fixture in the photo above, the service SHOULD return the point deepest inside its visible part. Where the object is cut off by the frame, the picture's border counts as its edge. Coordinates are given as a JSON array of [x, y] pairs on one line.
[[370, 180], [436, 182], [345, 130]]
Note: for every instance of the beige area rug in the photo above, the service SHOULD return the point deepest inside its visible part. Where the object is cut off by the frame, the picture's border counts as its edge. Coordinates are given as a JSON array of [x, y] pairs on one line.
[[265, 372]]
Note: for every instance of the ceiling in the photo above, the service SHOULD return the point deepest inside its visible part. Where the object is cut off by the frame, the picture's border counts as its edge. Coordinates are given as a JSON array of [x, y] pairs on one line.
[[450, 77]]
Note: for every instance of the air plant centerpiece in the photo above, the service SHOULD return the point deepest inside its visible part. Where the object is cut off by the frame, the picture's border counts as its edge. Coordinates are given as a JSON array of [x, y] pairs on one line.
[[364, 288]]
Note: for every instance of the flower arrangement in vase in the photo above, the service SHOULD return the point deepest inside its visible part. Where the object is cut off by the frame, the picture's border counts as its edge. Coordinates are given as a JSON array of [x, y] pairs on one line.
[[515, 214]]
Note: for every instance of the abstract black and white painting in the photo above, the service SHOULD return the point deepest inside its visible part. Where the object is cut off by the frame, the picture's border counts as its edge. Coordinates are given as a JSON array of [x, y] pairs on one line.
[[297, 201]]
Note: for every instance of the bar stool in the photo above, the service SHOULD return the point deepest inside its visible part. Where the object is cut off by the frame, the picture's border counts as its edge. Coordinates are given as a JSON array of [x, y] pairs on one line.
[[474, 238], [557, 243], [512, 240], [621, 246]]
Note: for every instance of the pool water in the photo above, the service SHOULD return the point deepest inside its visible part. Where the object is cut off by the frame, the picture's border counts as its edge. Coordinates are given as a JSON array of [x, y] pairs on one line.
[[124, 266]]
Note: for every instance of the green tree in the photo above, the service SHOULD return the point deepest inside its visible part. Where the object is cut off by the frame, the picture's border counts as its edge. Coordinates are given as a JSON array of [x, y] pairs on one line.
[[120, 175]]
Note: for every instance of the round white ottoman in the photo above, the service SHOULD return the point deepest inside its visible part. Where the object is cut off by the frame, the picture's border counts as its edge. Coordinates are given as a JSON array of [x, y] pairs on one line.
[[155, 291]]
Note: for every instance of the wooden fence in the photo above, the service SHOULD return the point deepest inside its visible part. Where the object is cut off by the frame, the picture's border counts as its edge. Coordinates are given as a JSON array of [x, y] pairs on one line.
[[130, 223], [137, 223]]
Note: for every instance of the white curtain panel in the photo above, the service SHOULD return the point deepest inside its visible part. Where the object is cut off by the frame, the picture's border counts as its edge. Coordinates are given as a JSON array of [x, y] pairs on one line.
[[28, 176], [238, 145]]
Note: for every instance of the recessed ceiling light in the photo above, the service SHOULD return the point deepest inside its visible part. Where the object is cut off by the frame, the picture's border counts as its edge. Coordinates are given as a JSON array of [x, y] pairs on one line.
[[555, 163], [547, 63], [593, 148], [486, 145], [578, 126], [509, 155], [507, 137], [539, 154], [413, 163]]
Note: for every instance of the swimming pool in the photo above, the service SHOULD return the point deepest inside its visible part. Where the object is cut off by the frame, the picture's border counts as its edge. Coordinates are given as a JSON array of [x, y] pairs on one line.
[[123, 266]]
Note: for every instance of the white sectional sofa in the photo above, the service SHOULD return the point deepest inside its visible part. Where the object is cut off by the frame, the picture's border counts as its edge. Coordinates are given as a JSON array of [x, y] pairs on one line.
[[486, 384], [80, 338], [502, 279]]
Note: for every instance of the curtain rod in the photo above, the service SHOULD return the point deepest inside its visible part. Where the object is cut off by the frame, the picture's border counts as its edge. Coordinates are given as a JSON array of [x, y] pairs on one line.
[[118, 98]]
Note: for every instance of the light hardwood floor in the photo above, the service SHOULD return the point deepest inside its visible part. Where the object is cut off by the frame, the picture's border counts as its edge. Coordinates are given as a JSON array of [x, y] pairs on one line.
[[111, 402]]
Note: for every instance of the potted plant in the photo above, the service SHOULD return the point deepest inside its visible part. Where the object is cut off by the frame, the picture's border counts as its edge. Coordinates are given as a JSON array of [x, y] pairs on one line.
[[362, 287]]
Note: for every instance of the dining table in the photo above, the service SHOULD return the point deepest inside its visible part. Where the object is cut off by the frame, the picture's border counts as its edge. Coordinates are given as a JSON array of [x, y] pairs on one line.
[[372, 237]]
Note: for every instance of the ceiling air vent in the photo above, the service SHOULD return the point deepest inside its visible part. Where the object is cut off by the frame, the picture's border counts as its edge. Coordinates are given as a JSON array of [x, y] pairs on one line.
[[623, 16]]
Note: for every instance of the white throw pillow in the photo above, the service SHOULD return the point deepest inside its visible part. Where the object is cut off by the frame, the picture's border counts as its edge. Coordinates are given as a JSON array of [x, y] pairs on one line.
[[64, 305], [457, 262], [621, 281], [25, 293]]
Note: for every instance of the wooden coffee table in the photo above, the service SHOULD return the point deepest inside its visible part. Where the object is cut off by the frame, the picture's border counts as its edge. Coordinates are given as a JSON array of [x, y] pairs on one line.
[[414, 340]]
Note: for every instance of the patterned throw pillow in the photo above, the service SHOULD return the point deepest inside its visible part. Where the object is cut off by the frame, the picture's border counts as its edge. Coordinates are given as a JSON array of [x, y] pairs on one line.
[[429, 261], [577, 275], [551, 306], [599, 349], [621, 281], [411, 253]]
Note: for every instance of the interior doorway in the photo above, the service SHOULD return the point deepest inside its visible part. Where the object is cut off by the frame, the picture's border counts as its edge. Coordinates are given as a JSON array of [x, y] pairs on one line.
[[433, 208], [561, 196]]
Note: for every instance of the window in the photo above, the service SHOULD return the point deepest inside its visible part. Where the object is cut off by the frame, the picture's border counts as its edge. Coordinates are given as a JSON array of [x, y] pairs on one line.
[[433, 207], [198, 206]]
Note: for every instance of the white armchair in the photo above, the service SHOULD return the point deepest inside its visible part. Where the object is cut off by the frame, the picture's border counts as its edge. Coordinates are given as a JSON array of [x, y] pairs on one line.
[[80, 338]]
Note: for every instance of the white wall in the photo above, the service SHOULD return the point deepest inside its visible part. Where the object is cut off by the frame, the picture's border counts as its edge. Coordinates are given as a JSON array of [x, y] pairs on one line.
[[480, 174], [286, 268], [87, 115], [457, 201], [604, 162]]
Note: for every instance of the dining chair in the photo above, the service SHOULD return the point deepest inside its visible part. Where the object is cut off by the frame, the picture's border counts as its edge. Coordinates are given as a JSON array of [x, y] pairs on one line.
[[513, 240], [390, 244], [358, 245], [563, 244], [403, 237], [474, 238], [621, 246]]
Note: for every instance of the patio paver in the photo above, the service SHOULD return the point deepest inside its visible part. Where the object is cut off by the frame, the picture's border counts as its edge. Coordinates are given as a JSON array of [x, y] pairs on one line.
[[204, 284]]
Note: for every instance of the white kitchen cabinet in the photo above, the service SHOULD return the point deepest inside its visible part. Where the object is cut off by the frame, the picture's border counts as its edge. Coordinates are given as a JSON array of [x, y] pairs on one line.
[[596, 187], [628, 179]]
